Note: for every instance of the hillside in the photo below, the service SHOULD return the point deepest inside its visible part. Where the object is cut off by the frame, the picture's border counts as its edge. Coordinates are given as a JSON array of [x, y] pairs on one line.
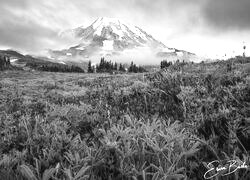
[[27, 62]]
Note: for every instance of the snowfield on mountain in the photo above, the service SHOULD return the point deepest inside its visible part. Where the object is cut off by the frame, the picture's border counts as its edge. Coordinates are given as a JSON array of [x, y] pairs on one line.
[[117, 40]]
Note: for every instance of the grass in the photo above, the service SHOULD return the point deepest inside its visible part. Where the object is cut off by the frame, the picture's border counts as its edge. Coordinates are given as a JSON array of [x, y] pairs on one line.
[[164, 125]]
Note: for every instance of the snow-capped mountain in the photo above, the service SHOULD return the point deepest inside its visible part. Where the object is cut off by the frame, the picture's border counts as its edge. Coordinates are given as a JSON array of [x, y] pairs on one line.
[[114, 38]]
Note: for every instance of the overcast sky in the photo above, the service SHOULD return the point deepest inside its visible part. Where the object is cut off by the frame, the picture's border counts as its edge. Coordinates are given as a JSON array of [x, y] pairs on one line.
[[205, 27]]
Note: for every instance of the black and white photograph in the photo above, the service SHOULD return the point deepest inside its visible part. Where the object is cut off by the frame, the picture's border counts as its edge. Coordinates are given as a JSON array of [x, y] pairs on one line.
[[124, 90]]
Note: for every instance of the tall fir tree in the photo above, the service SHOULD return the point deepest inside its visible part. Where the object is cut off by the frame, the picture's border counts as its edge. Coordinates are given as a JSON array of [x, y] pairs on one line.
[[90, 70], [115, 67]]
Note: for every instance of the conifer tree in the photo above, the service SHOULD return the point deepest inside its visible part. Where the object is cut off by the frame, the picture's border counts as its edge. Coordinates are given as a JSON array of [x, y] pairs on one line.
[[90, 70]]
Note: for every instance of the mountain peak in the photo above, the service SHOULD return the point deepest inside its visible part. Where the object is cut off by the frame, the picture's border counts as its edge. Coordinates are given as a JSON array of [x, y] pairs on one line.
[[107, 20], [112, 37], [116, 29]]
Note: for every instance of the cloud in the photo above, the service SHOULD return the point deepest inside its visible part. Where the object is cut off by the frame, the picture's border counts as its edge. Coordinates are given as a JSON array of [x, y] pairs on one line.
[[32, 26], [17, 33], [227, 14], [14, 3]]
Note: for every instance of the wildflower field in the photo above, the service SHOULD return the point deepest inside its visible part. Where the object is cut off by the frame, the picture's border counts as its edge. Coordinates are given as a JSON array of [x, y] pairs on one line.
[[166, 125]]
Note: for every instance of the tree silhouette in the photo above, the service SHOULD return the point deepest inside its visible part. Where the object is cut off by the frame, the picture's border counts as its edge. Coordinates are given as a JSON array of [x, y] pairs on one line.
[[121, 68], [135, 69], [4, 62], [90, 70], [165, 64]]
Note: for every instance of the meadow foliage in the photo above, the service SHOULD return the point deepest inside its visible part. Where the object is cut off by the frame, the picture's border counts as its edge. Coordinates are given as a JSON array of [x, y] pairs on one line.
[[166, 125]]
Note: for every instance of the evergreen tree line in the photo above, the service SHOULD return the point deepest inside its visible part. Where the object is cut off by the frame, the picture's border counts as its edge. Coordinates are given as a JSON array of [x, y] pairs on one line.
[[136, 69], [108, 67], [165, 64], [55, 67]]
